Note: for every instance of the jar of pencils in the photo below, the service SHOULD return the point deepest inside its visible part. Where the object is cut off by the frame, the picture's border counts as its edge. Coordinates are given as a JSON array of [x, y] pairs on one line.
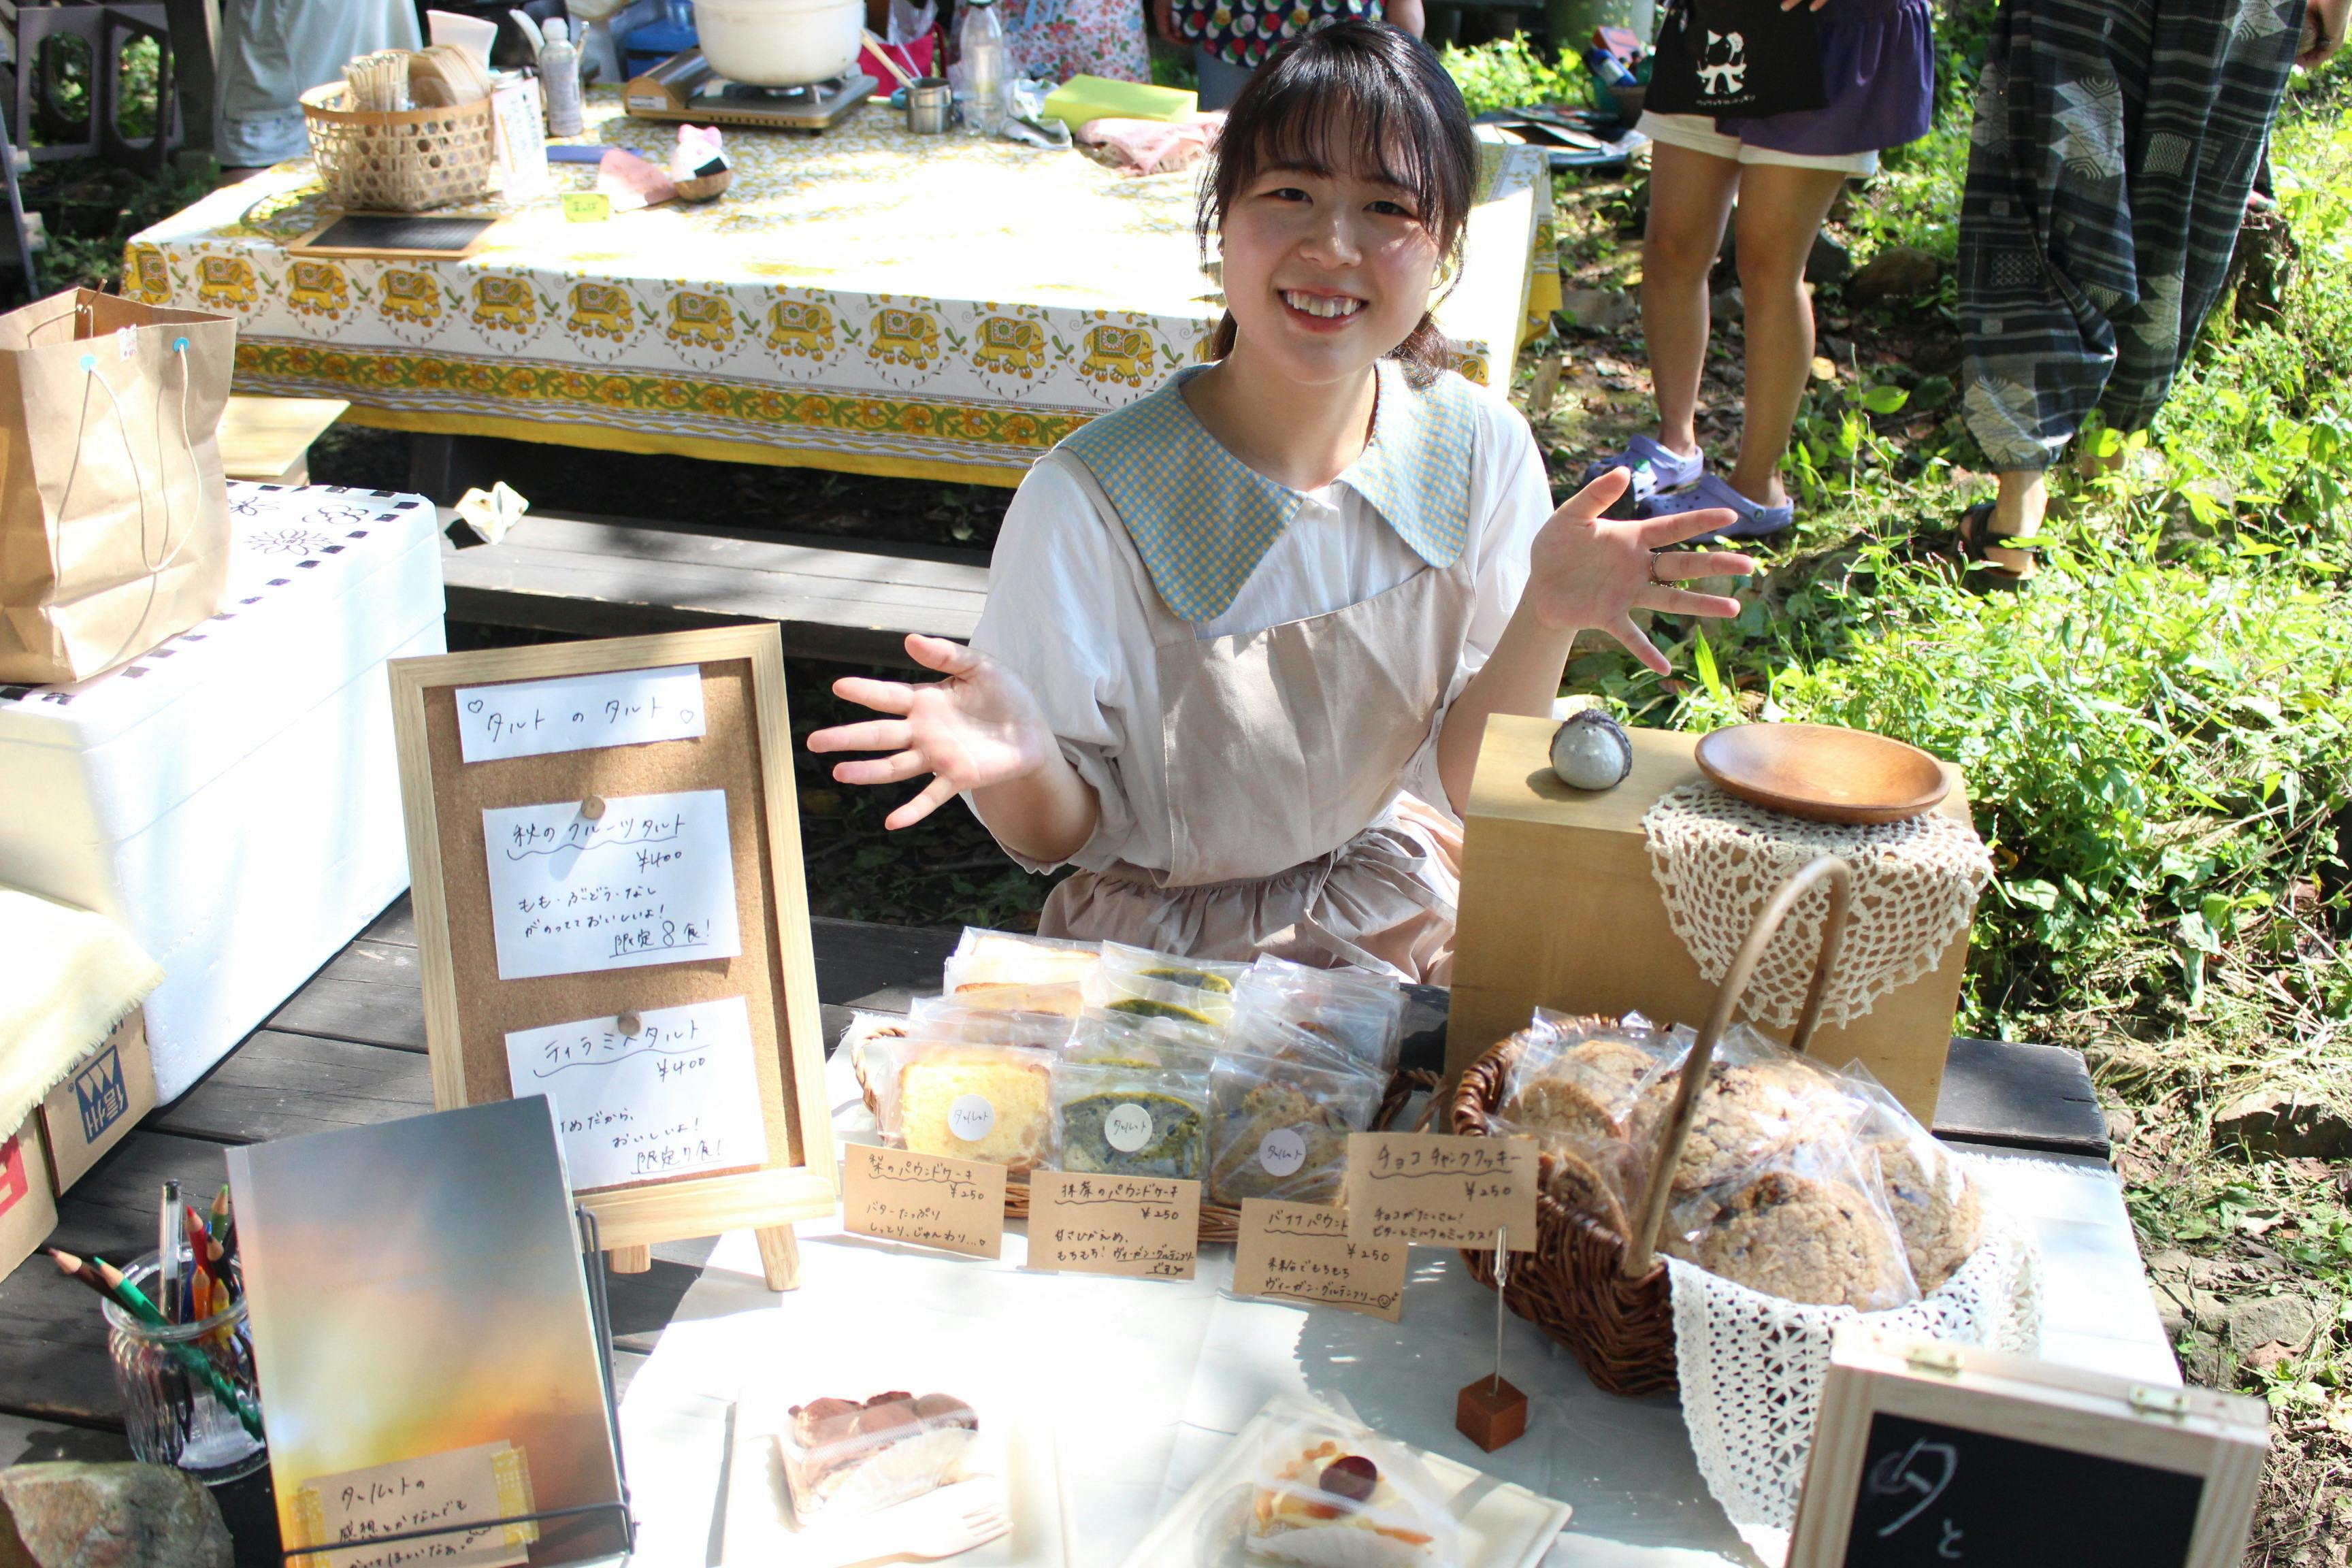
[[189, 1396]]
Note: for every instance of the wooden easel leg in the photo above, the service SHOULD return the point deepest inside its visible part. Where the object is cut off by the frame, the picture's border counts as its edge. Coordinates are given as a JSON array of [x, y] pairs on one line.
[[780, 1256], [630, 1259]]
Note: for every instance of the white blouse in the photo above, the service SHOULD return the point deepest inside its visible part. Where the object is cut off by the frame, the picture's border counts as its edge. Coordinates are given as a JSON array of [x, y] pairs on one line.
[[1071, 609]]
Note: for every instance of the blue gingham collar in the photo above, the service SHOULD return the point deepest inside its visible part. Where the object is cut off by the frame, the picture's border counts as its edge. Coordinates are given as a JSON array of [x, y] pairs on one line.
[[1202, 519]]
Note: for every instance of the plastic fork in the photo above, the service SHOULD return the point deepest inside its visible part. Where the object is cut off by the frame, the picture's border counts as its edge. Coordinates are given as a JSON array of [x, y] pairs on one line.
[[953, 1519]]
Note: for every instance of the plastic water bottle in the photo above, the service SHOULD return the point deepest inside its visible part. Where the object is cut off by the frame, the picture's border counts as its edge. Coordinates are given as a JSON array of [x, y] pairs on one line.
[[978, 75], [559, 79]]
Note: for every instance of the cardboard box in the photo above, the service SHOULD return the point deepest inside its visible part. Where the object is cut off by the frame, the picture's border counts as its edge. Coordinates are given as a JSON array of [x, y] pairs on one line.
[[27, 1211], [1560, 909], [110, 1089]]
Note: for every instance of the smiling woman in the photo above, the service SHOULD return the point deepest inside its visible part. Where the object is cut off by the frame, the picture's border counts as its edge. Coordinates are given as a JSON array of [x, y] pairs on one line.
[[1242, 635]]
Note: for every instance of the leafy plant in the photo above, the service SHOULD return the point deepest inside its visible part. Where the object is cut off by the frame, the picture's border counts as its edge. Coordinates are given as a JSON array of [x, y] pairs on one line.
[[1509, 74]]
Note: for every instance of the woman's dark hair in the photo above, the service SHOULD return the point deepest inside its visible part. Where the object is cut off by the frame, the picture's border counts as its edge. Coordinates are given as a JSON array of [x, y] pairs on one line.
[[1332, 98]]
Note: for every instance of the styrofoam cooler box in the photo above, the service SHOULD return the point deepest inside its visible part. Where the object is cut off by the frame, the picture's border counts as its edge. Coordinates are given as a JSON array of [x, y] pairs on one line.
[[232, 796]]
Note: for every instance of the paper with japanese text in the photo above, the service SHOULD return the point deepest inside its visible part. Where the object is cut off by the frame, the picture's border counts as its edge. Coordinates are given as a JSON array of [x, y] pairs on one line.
[[458, 1491], [579, 712], [1301, 1251], [1439, 1190], [652, 880]]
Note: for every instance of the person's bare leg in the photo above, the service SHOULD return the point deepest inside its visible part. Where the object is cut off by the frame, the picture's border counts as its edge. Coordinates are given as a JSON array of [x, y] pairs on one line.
[[1690, 197], [1781, 211], [2017, 510]]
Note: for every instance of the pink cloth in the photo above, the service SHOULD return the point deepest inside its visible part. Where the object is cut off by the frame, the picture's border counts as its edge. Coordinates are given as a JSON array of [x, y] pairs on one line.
[[1156, 146]]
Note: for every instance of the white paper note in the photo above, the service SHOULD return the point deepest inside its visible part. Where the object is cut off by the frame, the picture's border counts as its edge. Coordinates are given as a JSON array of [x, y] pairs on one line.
[[455, 1491], [681, 1095], [579, 712], [651, 882]]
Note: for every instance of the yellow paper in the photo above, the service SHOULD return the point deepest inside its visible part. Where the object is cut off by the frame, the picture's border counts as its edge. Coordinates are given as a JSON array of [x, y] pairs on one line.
[[1146, 1228], [929, 1199], [1085, 97], [1438, 1189], [1301, 1252], [587, 206]]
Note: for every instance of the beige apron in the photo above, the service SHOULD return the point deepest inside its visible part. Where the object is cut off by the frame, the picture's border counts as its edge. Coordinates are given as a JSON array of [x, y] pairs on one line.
[[1284, 751]]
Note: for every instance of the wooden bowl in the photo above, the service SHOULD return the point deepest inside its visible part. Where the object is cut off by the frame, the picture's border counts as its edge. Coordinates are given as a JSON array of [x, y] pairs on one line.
[[704, 188], [1824, 773]]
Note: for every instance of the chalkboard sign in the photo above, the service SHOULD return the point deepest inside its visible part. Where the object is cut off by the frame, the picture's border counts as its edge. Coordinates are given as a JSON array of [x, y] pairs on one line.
[[1931, 1455], [395, 234]]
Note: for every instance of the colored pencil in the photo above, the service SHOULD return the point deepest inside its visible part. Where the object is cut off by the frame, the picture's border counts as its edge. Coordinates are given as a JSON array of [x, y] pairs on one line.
[[219, 1224], [201, 1245], [167, 1252], [107, 1280]]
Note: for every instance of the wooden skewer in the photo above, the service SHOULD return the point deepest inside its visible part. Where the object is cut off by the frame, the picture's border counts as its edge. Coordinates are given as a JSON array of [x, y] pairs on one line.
[[882, 52]]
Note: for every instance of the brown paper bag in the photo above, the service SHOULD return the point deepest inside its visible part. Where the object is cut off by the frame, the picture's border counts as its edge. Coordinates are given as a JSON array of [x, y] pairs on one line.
[[113, 513]]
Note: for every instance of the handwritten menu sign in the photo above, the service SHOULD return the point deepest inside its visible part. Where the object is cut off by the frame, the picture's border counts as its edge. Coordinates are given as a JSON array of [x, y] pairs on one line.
[[459, 1490], [649, 880], [1438, 1189], [954, 1205], [1301, 1251], [579, 713], [678, 1096], [1146, 1227]]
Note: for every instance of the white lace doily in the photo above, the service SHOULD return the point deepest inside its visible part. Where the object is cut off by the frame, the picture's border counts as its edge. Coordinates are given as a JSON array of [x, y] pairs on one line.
[[1718, 861], [1751, 1365]]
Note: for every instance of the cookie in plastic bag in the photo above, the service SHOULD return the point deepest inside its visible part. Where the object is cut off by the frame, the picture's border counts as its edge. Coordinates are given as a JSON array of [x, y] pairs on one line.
[[1761, 1100], [1806, 1224], [1935, 1205], [1280, 1129]]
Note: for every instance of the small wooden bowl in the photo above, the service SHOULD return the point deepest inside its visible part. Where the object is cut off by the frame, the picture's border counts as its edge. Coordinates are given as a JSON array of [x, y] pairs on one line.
[[1824, 773], [705, 188]]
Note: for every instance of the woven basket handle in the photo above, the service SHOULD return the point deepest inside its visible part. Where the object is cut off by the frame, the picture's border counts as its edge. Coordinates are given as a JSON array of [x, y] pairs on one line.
[[1695, 1067]]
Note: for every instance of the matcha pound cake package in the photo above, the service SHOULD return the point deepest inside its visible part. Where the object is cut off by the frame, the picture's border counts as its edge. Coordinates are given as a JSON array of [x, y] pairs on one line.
[[1128, 1119], [1280, 1129], [991, 1103], [1135, 983], [1004, 973]]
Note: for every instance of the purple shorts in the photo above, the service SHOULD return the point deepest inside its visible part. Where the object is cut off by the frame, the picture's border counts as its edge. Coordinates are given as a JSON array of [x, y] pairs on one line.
[[1878, 72]]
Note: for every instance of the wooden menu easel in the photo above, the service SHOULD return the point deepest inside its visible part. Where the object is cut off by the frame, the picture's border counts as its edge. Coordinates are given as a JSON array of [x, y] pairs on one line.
[[745, 749]]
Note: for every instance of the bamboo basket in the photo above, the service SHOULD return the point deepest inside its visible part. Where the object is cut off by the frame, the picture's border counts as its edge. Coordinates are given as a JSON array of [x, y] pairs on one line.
[[1604, 1297], [405, 161]]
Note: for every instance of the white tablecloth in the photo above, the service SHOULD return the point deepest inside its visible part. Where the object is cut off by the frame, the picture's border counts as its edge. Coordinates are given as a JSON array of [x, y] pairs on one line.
[[1146, 1382]]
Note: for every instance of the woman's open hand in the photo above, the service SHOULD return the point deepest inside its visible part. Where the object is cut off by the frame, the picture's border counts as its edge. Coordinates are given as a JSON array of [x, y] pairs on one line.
[[1588, 570], [979, 726]]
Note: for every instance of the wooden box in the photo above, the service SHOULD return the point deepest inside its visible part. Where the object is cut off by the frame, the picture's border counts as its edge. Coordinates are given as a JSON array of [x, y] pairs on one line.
[[1560, 909], [103, 1098]]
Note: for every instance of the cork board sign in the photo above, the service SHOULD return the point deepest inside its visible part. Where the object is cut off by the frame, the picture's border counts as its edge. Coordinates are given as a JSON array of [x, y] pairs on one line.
[[610, 910]]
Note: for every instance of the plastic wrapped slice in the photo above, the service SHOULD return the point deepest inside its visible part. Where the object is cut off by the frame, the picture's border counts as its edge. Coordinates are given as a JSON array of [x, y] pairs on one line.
[[1144, 1042], [992, 1103], [944, 1018], [1585, 1076], [855, 1456], [1004, 973], [1935, 1205], [1361, 1016], [1123, 1119], [1331, 1494], [1140, 984], [1279, 1129]]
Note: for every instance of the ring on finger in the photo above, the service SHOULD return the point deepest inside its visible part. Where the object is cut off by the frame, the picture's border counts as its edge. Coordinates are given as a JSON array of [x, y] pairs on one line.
[[1655, 580]]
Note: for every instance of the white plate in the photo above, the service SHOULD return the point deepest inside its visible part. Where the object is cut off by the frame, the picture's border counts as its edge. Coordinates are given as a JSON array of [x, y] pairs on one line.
[[1503, 1526], [759, 1533]]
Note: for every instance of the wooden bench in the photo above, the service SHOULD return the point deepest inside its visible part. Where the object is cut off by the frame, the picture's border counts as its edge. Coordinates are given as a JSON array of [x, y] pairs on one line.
[[269, 438], [348, 1050], [603, 576]]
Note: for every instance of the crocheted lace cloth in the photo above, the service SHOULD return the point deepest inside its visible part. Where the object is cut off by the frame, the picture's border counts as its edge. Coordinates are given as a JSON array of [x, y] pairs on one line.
[[1718, 859], [1751, 1365]]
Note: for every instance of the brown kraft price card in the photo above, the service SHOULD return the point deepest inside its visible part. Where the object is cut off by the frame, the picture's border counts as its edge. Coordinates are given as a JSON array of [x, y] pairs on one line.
[[1148, 1228], [1301, 1251], [931, 1200], [1437, 1190]]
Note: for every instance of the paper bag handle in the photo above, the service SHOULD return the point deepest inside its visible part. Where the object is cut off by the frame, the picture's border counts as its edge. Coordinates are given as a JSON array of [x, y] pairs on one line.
[[171, 552]]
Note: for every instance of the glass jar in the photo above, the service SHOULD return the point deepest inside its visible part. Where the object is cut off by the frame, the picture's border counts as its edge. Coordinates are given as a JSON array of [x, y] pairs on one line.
[[172, 1378]]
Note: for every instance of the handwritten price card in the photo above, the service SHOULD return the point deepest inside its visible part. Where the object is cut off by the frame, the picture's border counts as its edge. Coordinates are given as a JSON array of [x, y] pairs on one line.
[[458, 1491], [579, 713], [1437, 1190], [1145, 1227], [652, 880], [677, 1098], [1301, 1251], [954, 1205]]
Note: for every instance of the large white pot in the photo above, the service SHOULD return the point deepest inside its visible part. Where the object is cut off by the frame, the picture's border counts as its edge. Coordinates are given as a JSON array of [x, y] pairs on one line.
[[779, 42]]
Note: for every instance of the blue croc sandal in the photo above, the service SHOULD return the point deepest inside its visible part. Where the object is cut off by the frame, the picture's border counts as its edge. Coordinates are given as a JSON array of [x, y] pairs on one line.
[[1755, 521], [1654, 469]]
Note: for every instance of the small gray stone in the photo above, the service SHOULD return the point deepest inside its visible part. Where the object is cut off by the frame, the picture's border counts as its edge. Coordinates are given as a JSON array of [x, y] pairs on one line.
[[1725, 306], [2277, 1123], [1830, 262], [1898, 272], [2290, 1320], [1602, 309], [114, 1516]]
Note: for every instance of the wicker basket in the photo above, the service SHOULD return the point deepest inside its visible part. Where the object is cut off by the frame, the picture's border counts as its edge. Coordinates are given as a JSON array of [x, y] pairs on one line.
[[1586, 1287], [405, 161]]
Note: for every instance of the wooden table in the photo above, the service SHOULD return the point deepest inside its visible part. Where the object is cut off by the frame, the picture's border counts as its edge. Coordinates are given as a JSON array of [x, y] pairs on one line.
[[348, 1050]]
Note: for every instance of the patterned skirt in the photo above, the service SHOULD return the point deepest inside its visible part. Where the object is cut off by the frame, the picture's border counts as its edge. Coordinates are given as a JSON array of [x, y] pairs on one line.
[[2114, 146]]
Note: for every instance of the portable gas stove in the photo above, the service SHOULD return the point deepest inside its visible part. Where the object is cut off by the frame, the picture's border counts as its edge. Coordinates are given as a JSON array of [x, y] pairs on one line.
[[684, 87]]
